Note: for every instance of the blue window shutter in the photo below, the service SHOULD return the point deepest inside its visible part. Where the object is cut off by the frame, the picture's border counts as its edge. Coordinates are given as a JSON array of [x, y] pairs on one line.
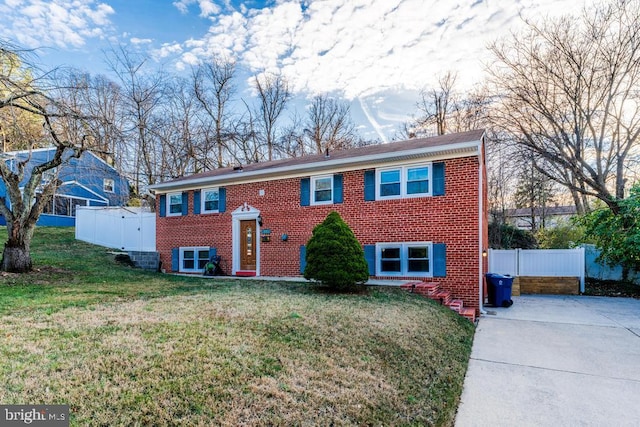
[[163, 205], [303, 258], [175, 259], [438, 179], [439, 260], [212, 252], [370, 256], [196, 202], [337, 188], [305, 191], [369, 185], [185, 203], [222, 200]]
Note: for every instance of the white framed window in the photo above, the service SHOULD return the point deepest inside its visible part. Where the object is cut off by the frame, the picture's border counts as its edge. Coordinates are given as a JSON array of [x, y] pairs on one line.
[[417, 180], [174, 204], [322, 190], [404, 259], [390, 183], [403, 181], [210, 200], [193, 259], [63, 205], [108, 185], [391, 259]]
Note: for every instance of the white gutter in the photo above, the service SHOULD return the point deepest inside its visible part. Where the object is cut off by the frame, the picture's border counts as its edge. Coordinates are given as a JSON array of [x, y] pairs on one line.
[[448, 151], [481, 168]]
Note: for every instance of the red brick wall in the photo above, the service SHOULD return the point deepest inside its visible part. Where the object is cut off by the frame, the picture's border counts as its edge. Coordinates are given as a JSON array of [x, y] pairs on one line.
[[450, 219]]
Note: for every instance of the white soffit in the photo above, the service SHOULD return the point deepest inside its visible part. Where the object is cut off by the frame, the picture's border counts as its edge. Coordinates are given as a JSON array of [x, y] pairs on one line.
[[450, 151]]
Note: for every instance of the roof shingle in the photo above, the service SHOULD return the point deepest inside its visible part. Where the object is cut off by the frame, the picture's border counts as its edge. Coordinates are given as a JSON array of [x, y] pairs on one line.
[[352, 153]]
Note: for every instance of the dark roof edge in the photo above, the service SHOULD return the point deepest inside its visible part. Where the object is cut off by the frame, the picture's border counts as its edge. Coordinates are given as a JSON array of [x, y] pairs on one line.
[[458, 148]]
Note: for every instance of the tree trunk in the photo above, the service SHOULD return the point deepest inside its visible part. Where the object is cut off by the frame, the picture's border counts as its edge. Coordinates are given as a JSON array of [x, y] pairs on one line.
[[620, 179], [16, 258], [625, 272]]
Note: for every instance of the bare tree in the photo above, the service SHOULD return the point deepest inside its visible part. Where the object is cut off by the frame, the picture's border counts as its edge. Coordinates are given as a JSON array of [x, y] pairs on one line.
[[329, 125], [500, 178], [292, 143], [245, 150], [181, 135], [471, 112], [444, 110], [17, 127], [437, 105], [142, 94], [570, 93], [214, 87], [103, 101], [534, 192], [43, 100], [273, 96]]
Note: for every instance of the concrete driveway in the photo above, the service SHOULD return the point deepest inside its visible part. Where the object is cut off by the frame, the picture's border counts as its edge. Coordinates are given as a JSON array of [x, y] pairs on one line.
[[555, 361]]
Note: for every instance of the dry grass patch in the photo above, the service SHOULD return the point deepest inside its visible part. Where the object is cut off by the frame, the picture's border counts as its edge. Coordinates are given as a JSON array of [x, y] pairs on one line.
[[231, 353], [247, 356]]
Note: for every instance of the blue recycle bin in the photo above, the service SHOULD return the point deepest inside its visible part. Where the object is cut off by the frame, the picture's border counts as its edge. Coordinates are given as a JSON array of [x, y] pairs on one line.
[[499, 288]]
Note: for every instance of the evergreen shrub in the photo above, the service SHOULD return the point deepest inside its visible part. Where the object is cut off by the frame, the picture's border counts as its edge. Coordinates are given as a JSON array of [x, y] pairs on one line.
[[334, 256]]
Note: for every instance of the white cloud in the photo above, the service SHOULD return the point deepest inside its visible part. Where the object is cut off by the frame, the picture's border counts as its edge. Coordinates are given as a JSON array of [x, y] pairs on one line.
[[360, 49], [59, 23], [207, 7], [227, 38], [363, 46], [138, 41], [166, 50], [271, 35], [367, 49], [183, 5]]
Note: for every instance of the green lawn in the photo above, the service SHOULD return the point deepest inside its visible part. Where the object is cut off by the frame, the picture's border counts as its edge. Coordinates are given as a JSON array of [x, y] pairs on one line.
[[126, 347]]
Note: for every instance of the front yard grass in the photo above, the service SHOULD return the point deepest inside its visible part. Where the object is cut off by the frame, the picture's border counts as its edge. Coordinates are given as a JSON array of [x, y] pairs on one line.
[[127, 347]]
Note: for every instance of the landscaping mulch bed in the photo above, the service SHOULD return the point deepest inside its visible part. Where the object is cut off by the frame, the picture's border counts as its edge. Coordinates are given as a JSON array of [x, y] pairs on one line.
[[611, 288]]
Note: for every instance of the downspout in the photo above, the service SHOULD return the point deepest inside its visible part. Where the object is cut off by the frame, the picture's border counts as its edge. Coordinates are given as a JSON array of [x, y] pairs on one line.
[[481, 167]]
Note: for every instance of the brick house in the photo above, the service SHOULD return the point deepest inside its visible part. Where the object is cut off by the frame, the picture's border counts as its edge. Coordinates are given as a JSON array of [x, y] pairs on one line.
[[418, 207]]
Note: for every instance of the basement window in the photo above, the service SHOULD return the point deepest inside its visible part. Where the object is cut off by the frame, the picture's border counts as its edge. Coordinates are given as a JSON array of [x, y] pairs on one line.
[[193, 259], [404, 259]]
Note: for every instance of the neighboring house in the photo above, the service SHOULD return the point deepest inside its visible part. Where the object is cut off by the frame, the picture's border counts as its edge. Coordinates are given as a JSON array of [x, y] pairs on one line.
[[547, 217], [418, 207], [85, 181]]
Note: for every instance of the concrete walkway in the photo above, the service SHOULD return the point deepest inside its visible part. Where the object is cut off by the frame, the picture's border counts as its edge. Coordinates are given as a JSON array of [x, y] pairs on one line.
[[555, 361]]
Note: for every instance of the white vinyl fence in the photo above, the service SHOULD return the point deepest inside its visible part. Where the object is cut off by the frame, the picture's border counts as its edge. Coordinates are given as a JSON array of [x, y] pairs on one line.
[[538, 262], [127, 229]]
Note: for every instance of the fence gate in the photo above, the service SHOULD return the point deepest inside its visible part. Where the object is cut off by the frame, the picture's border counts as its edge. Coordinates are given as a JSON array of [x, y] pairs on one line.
[[127, 229], [538, 262]]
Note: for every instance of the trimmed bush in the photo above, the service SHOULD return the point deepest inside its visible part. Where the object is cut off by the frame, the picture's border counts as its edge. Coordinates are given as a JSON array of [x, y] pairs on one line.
[[334, 255]]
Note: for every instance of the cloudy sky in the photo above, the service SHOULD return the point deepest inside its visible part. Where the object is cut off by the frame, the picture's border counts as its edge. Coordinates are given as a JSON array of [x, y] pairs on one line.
[[377, 54]]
